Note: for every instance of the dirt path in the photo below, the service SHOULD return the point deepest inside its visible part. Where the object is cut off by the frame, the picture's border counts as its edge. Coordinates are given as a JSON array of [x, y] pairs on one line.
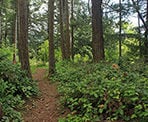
[[46, 107]]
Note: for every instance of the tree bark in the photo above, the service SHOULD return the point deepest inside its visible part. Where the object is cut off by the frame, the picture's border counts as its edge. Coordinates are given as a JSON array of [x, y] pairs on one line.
[[120, 29], [139, 33], [1, 3], [97, 31], [14, 39], [146, 37], [51, 37], [23, 35], [67, 31], [1, 112], [61, 30], [64, 28], [14, 32], [72, 29]]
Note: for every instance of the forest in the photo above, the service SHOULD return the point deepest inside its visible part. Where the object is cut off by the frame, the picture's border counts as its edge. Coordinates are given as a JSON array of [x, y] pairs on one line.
[[73, 60]]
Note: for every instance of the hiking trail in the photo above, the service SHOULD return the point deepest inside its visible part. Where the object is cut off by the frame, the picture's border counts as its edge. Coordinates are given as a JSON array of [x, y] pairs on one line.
[[45, 108]]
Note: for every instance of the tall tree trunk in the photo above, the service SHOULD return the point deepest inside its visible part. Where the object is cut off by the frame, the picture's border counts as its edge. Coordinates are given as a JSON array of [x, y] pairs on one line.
[[1, 4], [64, 28], [51, 37], [120, 29], [14, 39], [146, 37], [23, 35], [1, 112], [72, 29], [5, 28], [67, 31], [88, 6], [97, 31], [14, 32], [61, 30], [139, 32]]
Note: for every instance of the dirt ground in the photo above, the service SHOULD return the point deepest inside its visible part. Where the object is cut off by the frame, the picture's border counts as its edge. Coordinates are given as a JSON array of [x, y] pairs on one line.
[[46, 107]]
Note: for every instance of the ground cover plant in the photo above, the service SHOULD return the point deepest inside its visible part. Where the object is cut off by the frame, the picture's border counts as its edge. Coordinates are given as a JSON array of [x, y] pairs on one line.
[[15, 88], [104, 91]]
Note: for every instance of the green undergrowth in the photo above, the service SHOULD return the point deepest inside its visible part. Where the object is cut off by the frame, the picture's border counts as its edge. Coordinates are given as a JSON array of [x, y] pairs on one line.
[[104, 91], [35, 64], [15, 88]]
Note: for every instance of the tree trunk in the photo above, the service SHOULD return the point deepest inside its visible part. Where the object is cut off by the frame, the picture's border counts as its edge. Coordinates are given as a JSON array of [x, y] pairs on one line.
[[5, 30], [67, 31], [88, 6], [51, 37], [97, 31], [14, 39], [1, 112], [146, 37], [64, 28], [1, 3], [72, 29], [139, 33], [23, 35], [120, 29], [14, 32], [61, 31]]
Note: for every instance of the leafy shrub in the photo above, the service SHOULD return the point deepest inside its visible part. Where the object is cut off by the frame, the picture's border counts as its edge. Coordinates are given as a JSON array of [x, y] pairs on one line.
[[43, 52], [15, 87], [6, 52], [79, 58], [102, 91]]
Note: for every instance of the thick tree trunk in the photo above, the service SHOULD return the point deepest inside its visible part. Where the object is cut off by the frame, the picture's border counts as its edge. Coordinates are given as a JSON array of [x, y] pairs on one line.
[[97, 31], [23, 35], [61, 30], [64, 28], [51, 37], [67, 31]]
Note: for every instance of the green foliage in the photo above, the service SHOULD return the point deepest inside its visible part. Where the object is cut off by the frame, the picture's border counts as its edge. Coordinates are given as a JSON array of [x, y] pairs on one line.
[[102, 91], [6, 52], [79, 58], [15, 87], [43, 51]]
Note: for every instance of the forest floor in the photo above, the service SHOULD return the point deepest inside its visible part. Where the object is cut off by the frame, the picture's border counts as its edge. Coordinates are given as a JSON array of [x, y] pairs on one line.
[[45, 108]]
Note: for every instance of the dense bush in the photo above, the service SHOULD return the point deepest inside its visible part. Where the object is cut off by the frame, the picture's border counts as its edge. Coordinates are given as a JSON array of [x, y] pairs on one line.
[[43, 52], [102, 92], [6, 51], [15, 87]]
